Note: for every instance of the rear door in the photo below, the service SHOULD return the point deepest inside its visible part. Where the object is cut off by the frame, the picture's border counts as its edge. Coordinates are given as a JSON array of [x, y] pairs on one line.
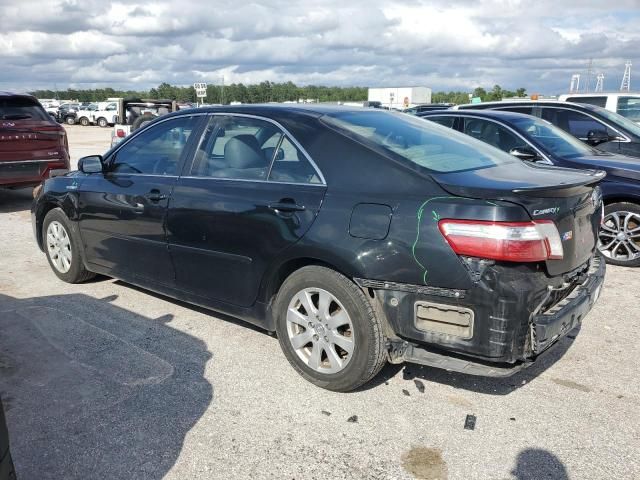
[[123, 212], [250, 192]]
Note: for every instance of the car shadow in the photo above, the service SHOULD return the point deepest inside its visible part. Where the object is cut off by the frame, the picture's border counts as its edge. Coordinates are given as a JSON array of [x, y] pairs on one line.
[[18, 200], [491, 385], [92, 390]]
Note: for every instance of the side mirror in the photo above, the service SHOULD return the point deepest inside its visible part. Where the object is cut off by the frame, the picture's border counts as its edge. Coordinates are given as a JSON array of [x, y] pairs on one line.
[[90, 164], [596, 137], [280, 154], [524, 153]]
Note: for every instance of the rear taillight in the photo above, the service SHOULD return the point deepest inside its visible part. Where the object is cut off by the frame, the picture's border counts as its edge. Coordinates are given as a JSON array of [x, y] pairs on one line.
[[507, 241], [120, 133]]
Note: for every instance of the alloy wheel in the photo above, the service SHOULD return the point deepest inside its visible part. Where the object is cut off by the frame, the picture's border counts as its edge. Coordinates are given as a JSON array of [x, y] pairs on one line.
[[320, 330], [620, 236], [59, 246]]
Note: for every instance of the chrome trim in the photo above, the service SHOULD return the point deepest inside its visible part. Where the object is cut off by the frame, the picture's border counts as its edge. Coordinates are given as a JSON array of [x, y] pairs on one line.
[[49, 160], [192, 177]]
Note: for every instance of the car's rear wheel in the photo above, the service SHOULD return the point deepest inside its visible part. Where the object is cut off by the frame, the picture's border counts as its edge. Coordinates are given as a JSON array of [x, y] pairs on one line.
[[102, 122], [328, 330], [62, 248], [619, 236], [84, 121]]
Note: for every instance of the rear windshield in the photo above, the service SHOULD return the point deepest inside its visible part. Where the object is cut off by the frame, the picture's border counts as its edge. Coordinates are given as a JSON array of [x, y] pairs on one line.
[[419, 141], [21, 108]]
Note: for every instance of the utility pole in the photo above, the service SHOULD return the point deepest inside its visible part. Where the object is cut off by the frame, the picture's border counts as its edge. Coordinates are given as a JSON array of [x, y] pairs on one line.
[[587, 85], [625, 86], [600, 82], [575, 83]]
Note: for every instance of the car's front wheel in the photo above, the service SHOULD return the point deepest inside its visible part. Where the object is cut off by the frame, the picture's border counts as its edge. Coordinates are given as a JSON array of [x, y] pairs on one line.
[[84, 121], [62, 248], [328, 330], [619, 236]]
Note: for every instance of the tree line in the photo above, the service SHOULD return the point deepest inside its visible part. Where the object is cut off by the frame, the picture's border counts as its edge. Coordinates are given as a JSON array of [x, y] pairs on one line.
[[264, 92]]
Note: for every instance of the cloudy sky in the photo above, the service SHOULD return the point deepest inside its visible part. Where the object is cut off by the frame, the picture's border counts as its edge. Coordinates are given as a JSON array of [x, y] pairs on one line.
[[443, 44]]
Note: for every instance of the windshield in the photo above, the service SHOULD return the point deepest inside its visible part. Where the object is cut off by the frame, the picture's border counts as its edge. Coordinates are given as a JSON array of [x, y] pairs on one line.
[[552, 138], [618, 119], [423, 143], [21, 108]]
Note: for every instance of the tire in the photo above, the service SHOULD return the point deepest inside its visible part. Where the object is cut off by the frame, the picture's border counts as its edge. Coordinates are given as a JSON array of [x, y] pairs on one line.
[[70, 120], [102, 122], [84, 121], [141, 121], [344, 371], [619, 236], [60, 241]]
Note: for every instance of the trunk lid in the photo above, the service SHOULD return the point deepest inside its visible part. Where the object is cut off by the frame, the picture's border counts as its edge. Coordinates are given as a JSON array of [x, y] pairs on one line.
[[30, 139], [566, 196]]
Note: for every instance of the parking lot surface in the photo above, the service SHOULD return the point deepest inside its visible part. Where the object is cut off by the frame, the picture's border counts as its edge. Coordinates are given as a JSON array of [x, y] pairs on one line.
[[104, 380]]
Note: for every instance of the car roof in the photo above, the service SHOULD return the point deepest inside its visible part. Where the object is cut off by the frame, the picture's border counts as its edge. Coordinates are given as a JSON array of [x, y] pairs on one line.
[[497, 114], [4, 93]]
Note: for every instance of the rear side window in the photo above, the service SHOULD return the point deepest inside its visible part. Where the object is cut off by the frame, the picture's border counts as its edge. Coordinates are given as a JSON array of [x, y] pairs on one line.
[[600, 101], [247, 148], [524, 110], [414, 140], [22, 108], [629, 107], [444, 121], [577, 124]]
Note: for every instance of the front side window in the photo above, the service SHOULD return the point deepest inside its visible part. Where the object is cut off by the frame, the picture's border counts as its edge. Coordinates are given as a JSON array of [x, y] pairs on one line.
[[413, 140], [157, 150], [629, 107], [552, 138], [492, 133], [247, 148]]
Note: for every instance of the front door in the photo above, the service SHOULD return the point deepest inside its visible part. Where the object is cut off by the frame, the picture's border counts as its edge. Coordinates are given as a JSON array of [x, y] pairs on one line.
[[249, 193], [123, 211]]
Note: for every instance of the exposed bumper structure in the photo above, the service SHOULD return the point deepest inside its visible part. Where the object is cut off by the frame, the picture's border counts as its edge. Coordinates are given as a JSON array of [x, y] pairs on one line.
[[514, 315]]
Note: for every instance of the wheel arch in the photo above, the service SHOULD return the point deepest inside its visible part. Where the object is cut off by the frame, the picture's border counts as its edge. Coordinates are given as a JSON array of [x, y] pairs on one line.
[[45, 206]]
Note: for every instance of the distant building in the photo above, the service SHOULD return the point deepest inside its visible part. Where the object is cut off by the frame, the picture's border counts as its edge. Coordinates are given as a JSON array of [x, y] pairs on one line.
[[400, 97]]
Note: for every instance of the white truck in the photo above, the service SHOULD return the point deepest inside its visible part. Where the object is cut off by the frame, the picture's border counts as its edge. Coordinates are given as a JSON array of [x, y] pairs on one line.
[[102, 114], [134, 113], [625, 103]]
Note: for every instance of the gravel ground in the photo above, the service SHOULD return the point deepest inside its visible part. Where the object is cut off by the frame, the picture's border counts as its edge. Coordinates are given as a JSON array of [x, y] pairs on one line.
[[103, 380]]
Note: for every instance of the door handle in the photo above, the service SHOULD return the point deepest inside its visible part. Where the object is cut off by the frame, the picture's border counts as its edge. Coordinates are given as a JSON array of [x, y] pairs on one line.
[[155, 196], [286, 207]]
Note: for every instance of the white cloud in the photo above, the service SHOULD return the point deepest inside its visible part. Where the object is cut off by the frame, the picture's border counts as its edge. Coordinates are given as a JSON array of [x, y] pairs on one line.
[[451, 45]]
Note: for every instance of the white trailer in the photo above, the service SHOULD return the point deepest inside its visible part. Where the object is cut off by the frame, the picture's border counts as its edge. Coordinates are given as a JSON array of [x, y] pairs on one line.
[[400, 97]]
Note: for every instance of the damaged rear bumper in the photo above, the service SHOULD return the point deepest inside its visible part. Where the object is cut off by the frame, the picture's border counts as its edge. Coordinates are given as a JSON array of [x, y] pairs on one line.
[[516, 314]]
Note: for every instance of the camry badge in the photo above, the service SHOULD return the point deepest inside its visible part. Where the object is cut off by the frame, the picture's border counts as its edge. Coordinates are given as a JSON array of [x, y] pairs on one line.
[[546, 210]]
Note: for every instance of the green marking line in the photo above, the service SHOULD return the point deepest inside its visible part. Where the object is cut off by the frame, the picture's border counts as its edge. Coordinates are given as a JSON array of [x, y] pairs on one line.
[[436, 218]]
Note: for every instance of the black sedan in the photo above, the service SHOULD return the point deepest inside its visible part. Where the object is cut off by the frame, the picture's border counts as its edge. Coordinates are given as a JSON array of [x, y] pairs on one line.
[[536, 140], [596, 126], [360, 236]]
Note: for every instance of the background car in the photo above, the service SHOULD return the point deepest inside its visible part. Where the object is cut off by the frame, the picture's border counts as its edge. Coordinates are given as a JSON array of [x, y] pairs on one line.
[[427, 107], [596, 126], [535, 140], [68, 113], [358, 235], [33, 146]]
